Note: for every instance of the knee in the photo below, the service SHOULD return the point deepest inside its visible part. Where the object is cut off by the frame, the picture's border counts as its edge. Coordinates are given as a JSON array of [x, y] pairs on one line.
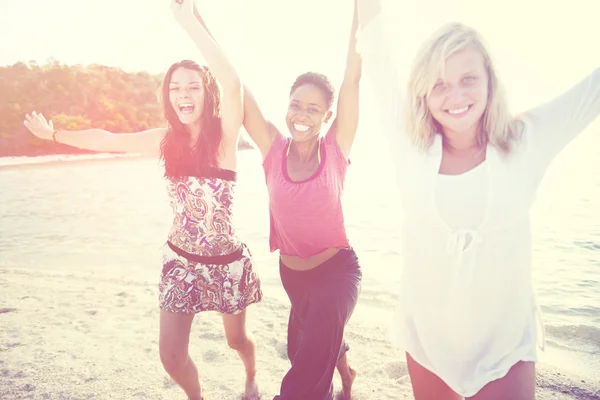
[[173, 359], [237, 342]]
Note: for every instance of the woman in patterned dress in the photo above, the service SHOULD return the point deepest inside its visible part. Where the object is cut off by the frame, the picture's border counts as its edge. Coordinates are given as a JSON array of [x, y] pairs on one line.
[[205, 265]]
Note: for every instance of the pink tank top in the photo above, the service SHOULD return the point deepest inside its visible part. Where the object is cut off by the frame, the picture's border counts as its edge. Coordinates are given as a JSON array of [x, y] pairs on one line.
[[306, 216]]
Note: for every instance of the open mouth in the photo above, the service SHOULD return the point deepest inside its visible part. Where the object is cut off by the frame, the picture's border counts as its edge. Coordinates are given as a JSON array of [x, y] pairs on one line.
[[459, 112], [186, 108], [301, 127]]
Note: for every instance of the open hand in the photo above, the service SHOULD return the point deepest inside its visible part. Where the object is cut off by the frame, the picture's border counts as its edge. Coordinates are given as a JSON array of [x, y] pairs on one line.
[[183, 11], [37, 124], [367, 10]]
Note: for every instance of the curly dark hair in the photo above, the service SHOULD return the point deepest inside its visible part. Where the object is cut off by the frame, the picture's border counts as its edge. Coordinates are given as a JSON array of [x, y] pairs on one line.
[[320, 81], [180, 159]]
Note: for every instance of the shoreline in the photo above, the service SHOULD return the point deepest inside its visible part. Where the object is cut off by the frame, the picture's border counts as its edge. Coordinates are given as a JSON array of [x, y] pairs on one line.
[[21, 161]]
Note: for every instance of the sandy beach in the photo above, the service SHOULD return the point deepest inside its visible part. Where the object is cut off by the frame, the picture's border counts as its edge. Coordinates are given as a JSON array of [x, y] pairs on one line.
[[71, 335]]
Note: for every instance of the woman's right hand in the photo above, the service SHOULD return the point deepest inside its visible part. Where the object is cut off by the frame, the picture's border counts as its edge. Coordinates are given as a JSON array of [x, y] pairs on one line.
[[183, 11], [37, 124], [367, 10]]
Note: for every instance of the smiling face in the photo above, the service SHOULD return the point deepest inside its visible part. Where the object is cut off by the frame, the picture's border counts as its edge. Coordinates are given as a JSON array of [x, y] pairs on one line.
[[191, 104], [307, 112], [458, 100], [186, 95]]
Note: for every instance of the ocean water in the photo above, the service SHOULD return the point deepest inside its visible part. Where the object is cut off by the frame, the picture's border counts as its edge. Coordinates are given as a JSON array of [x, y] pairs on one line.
[[111, 216]]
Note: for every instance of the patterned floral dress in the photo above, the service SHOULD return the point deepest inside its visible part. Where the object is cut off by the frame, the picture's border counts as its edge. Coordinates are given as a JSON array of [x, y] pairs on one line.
[[205, 265]]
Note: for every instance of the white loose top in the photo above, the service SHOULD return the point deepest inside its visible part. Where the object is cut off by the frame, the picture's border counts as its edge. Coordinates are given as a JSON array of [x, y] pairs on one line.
[[461, 200], [467, 307]]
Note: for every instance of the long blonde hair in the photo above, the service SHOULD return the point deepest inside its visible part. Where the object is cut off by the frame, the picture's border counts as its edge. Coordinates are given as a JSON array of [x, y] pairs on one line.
[[498, 128]]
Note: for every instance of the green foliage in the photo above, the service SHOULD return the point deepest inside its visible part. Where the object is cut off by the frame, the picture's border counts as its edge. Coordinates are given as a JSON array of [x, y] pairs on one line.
[[75, 98]]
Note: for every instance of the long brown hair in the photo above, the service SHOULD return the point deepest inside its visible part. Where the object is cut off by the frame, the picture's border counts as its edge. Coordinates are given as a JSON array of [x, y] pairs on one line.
[[180, 159]]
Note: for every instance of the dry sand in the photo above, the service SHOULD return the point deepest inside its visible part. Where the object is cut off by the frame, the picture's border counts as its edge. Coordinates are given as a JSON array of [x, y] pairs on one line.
[[77, 335]]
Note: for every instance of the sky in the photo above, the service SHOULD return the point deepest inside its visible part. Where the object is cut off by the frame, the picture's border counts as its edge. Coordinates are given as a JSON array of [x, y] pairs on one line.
[[541, 47]]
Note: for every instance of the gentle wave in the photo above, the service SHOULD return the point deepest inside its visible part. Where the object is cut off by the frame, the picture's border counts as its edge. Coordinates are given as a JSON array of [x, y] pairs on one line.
[[575, 337], [588, 244]]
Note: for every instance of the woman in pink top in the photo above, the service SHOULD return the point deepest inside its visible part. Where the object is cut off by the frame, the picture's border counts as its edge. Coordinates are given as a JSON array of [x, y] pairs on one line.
[[305, 179]]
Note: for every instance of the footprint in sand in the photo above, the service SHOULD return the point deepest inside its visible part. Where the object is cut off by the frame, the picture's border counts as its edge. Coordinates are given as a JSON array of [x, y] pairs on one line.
[[280, 348], [19, 374], [210, 355], [396, 370], [168, 383], [212, 336], [28, 388]]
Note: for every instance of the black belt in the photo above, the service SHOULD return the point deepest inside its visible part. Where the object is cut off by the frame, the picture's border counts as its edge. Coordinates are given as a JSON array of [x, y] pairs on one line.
[[219, 260]]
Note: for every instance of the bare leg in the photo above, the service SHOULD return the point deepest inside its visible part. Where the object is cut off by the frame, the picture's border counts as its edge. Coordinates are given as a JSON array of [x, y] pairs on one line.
[[348, 375], [173, 345], [517, 384], [239, 340], [426, 385]]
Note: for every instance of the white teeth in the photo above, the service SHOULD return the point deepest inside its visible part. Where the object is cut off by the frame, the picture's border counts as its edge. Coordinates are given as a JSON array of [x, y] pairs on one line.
[[301, 128], [458, 110], [186, 108]]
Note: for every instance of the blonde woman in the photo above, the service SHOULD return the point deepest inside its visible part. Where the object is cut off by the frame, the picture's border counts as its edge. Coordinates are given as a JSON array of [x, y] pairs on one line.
[[467, 172]]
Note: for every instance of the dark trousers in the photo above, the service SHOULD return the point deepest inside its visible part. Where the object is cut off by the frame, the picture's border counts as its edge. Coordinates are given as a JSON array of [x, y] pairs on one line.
[[323, 299]]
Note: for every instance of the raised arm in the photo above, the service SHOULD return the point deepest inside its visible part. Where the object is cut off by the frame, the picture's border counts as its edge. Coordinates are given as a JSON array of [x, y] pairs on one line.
[[261, 131], [347, 108], [381, 67], [554, 124], [145, 142], [232, 111]]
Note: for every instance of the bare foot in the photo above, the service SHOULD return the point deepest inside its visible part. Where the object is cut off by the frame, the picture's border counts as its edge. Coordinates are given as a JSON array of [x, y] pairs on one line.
[[347, 382], [251, 392], [201, 396]]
